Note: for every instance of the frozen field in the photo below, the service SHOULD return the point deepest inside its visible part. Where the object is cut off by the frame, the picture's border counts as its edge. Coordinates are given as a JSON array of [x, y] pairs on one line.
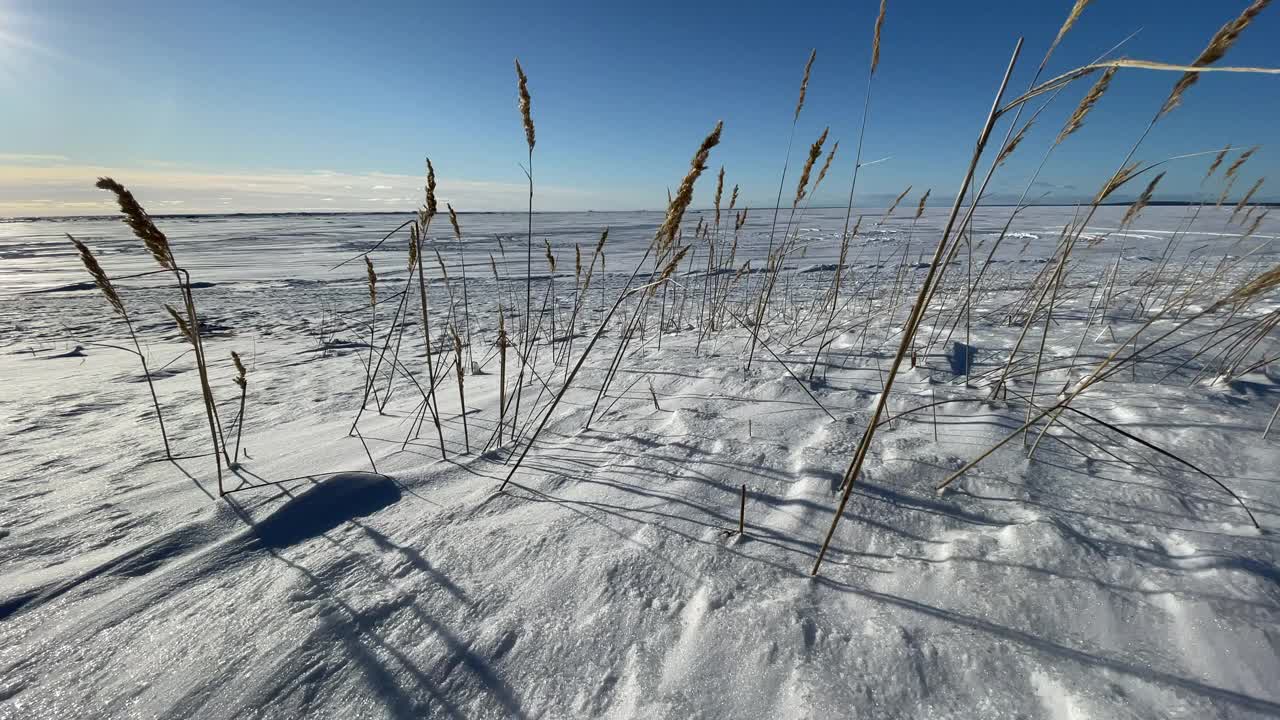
[[1099, 579]]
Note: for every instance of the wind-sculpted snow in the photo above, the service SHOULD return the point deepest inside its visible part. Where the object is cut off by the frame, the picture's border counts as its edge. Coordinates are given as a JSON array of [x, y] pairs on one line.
[[1098, 579]]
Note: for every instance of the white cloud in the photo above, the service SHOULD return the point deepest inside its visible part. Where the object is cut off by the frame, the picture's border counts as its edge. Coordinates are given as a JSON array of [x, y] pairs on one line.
[[23, 158], [45, 185]]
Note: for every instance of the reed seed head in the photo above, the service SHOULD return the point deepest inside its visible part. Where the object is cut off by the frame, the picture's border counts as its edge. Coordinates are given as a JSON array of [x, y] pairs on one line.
[[804, 83], [1257, 221], [1076, 10], [826, 165], [719, 193], [894, 206], [138, 221], [241, 380], [1086, 104], [99, 276], [923, 199], [1215, 51], [183, 326], [815, 150], [551, 259], [1122, 176], [875, 40], [733, 197], [414, 238], [526, 105], [1013, 143], [1217, 160], [373, 280], [1240, 161], [684, 195], [1142, 200], [1247, 197], [453, 220]]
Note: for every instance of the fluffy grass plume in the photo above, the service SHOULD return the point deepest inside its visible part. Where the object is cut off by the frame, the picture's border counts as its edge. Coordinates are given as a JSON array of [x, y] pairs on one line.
[[1072, 17], [551, 258], [1215, 51], [826, 164], [183, 326], [373, 280], [1142, 200], [1244, 201], [99, 276], [140, 223], [1240, 161], [894, 205], [719, 193], [413, 246], [923, 199], [684, 195], [804, 83], [241, 380], [875, 41], [1122, 176], [1217, 160], [1082, 110], [733, 197], [815, 151], [526, 106]]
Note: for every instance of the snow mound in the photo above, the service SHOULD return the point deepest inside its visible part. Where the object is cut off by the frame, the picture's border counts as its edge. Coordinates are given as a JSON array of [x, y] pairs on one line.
[[325, 506]]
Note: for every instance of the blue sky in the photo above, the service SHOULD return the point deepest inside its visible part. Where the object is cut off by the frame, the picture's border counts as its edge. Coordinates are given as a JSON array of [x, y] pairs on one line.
[[244, 106]]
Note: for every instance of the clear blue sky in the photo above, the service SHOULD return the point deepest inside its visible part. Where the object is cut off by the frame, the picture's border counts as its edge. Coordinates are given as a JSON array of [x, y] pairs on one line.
[[235, 105]]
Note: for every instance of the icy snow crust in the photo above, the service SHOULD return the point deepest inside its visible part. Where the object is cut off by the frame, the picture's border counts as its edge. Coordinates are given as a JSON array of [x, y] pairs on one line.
[[606, 582]]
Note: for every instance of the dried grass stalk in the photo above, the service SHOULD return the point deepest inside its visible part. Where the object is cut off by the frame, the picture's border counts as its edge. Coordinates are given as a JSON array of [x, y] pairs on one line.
[[1247, 197], [373, 280]]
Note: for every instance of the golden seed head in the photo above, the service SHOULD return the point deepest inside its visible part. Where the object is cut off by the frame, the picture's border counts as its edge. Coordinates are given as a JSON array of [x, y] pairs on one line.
[[894, 206], [1217, 160], [1090, 99], [719, 193], [923, 199], [875, 41], [240, 370], [373, 280], [99, 276], [1142, 201], [826, 165], [804, 83], [453, 220], [1072, 17], [1215, 51], [138, 221], [183, 327], [684, 195], [526, 105], [815, 150]]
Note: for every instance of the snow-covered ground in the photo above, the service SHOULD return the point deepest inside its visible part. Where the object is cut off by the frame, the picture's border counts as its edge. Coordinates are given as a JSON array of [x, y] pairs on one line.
[[1100, 579]]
